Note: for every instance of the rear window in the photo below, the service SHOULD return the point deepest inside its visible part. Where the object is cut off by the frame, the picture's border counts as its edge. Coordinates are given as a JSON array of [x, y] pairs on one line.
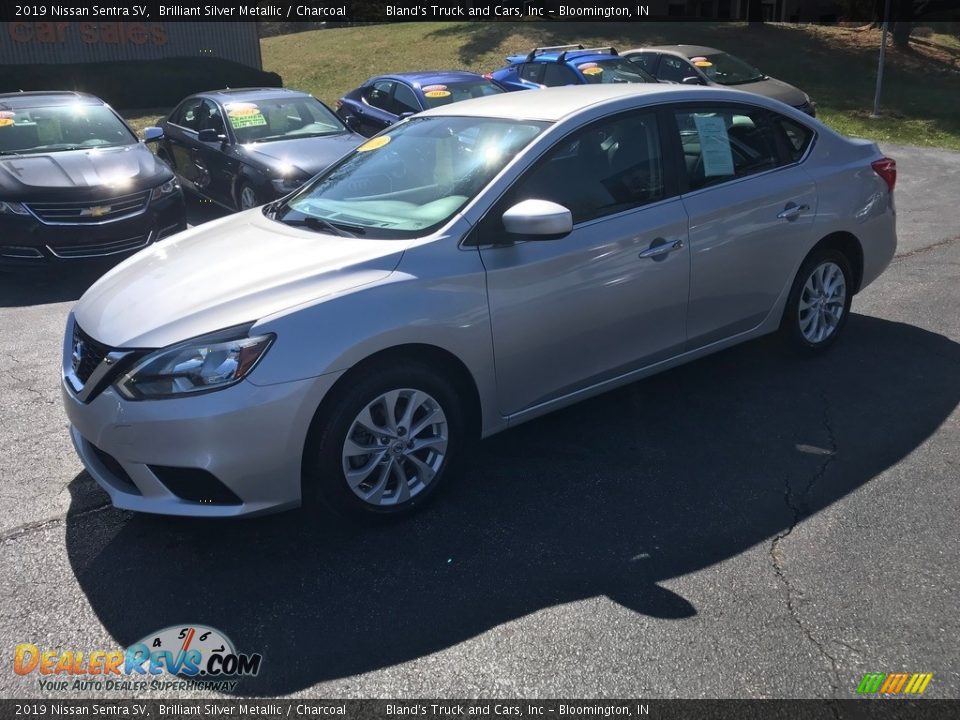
[[444, 94]]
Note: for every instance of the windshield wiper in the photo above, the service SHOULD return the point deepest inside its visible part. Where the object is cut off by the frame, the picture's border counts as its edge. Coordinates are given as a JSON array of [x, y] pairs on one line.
[[315, 223]]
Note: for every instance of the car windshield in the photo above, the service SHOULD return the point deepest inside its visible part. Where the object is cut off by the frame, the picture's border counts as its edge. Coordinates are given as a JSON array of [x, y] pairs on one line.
[[726, 69], [281, 119], [613, 70], [64, 127], [407, 182], [444, 94]]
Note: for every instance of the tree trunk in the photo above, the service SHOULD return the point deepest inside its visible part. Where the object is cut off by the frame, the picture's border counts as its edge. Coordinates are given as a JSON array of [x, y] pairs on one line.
[[901, 35]]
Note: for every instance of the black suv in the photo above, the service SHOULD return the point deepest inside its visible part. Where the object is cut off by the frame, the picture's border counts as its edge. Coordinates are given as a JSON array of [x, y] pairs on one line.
[[75, 182]]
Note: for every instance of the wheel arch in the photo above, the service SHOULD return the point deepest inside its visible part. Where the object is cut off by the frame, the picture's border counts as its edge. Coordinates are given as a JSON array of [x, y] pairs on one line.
[[433, 356], [848, 244]]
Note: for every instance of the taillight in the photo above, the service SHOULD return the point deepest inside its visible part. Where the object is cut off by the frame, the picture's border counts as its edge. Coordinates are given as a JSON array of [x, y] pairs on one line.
[[887, 169], [339, 104], [488, 76]]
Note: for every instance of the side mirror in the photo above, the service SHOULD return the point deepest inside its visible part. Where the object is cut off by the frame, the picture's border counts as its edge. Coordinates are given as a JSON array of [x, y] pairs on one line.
[[692, 80], [209, 135], [152, 134], [539, 218]]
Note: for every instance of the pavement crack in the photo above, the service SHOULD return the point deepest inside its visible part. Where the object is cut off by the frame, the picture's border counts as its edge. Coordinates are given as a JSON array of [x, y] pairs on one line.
[[798, 510], [39, 525], [924, 249]]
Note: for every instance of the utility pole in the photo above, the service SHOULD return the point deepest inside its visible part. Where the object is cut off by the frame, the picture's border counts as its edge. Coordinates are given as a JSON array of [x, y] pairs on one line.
[[883, 47]]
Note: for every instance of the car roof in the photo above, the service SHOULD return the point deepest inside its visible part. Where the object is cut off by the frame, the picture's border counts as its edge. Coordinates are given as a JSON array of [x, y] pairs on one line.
[[556, 103], [687, 51], [552, 56], [430, 77], [244, 94], [47, 98]]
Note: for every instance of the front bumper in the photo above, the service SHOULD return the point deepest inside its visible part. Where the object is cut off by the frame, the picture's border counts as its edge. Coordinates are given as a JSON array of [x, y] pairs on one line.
[[249, 438], [26, 241]]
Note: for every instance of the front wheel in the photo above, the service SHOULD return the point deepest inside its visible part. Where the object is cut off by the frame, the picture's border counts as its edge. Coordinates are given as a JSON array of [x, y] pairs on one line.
[[247, 197], [387, 442], [819, 302]]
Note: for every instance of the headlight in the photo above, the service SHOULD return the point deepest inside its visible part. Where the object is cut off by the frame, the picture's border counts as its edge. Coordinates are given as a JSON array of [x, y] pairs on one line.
[[168, 188], [199, 365], [12, 208]]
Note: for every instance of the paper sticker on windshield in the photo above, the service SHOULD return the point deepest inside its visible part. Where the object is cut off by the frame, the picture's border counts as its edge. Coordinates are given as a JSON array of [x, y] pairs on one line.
[[714, 145], [6, 118], [433, 88], [437, 93], [703, 63], [377, 142], [590, 69], [243, 115]]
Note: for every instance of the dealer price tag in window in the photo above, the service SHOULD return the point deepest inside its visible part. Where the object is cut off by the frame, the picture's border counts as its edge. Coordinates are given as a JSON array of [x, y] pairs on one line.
[[714, 145]]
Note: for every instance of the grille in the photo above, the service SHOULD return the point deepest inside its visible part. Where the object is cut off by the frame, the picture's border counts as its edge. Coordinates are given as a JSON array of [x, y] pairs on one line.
[[90, 212], [100, 249], [91, 353]]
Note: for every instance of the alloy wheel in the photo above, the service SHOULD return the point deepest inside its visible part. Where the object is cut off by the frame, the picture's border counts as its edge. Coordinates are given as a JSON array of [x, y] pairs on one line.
[[822, 302], [395, 447]]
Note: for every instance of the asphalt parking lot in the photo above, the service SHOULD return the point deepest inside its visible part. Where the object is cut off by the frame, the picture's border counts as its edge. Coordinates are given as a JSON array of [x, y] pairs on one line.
[[750, 525]]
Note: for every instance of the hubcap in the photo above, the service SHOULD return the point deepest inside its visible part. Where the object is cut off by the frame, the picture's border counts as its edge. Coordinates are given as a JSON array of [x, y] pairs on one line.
[[822, 302], [248, 198], [395, 447]]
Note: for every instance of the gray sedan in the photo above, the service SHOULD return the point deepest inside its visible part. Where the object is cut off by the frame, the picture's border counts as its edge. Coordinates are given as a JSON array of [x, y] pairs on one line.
[[471, 268], [701, 65]]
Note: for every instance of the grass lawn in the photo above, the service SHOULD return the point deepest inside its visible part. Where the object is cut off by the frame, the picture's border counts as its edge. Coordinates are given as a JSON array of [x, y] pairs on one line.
[[837, 66]]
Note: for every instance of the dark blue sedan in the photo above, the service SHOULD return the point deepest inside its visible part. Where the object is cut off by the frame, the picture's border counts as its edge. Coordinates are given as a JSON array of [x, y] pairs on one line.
[[384, 99]]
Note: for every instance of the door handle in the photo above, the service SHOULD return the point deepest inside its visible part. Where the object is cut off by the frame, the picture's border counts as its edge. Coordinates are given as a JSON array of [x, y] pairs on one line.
[[792, 211], [662, 248]]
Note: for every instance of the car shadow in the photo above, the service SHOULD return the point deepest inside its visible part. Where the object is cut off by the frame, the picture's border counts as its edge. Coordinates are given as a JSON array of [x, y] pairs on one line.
[[610, 497], [68, 281]]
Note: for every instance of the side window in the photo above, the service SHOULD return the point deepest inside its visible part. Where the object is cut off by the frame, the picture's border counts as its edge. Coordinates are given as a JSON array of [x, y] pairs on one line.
[[379, 94], [798, 137], [212, 119], [647, 61], [674, 69], [724, 143], [189, 114], [555, 75], [404, 100], [531, 72], [605, 168]]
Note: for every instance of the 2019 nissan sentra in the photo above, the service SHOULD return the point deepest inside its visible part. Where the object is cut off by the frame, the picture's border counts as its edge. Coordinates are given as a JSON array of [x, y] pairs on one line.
[[469, 269], [76, 183], [241, 148]]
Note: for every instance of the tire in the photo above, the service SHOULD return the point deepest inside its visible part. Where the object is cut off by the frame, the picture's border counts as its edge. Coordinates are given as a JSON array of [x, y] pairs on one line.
[[247, 194], [819, 302], [394, 478]]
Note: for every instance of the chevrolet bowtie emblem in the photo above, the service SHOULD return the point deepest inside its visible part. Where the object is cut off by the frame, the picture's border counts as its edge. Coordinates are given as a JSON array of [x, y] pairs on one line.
[[97, 210]]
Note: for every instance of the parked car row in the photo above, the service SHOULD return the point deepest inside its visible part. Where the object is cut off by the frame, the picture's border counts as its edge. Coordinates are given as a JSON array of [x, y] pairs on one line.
[[75, 183]]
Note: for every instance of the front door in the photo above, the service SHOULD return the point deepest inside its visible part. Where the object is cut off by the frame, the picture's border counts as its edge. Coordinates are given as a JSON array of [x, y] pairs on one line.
[[606, 299]]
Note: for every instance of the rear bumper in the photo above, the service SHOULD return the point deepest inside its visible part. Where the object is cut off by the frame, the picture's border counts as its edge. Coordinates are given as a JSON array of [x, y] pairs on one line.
[[27, 242]]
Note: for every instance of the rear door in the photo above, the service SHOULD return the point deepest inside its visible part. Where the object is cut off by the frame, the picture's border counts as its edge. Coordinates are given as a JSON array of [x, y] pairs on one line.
[[606, 299], [378, 109], [751, 206], [181, 137]]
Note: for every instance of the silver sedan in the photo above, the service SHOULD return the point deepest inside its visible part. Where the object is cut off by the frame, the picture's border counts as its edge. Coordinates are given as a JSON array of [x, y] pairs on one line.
[[471, 268]]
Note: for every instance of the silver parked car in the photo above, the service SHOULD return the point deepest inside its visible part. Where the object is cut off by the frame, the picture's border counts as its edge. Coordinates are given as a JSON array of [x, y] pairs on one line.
[[471, 268]]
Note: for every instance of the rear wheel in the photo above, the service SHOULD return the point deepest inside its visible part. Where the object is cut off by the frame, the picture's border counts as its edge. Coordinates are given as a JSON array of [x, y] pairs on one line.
[[387, 442], [819, 301], [247, 197]]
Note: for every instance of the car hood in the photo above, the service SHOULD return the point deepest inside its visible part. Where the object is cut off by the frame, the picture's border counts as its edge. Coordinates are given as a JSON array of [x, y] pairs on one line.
[[231, 271], [309, 154], [774, 89], [80, 173]]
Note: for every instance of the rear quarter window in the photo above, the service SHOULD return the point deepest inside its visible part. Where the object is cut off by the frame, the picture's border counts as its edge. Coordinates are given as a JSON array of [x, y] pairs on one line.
[[797, 137]]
